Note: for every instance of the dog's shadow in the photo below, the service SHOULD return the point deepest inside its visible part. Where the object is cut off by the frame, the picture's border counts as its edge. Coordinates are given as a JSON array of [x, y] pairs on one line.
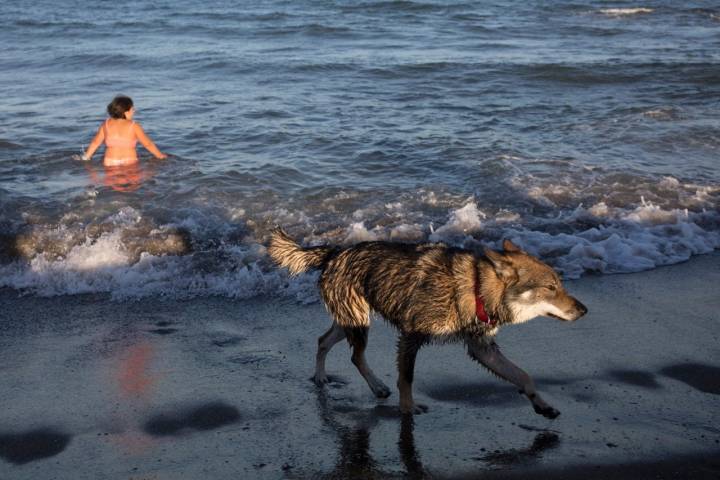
[[353, 427]]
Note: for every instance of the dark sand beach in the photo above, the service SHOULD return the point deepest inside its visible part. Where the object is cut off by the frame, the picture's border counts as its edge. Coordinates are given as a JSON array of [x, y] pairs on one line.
[[216, 388]]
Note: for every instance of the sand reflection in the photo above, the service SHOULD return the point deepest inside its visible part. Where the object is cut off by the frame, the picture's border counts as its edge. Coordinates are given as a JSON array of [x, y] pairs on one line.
[[134, 378], [135, 382]]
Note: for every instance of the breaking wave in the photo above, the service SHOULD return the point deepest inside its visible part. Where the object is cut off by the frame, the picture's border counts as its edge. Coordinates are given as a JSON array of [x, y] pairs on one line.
[[129, 254]]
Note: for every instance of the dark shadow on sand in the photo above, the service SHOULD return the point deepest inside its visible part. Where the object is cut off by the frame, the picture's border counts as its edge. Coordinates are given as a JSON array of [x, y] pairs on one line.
[[21, 448], [705, 378], [228, 341], [205, 417], [163, 331], [487, 394], [695, 467], [543, 441], [636, 378], [475, 393]]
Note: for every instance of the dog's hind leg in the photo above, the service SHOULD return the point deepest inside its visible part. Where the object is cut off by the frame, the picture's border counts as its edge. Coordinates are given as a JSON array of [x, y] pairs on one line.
[[408, 347], [490, 356], [357, 336], [325, 343]]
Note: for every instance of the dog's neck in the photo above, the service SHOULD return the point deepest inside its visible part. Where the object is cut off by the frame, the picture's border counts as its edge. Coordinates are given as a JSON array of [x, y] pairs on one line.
[[480, 312], [491, 289]]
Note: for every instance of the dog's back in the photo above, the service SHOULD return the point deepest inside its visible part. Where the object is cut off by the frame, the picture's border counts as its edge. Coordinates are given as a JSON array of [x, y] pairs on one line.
[[413, 286]]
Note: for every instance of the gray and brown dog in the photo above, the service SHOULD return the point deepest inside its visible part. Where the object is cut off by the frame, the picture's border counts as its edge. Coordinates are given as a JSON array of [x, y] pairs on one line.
[[429, 292]]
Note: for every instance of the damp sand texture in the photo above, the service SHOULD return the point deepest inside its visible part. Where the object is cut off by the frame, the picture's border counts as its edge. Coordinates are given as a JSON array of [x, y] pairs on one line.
[[221, 388]]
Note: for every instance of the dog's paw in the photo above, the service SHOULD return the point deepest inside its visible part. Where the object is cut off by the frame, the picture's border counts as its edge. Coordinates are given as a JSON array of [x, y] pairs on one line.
[[381, 391], [420, 408], [547, 411], [320, 380], [333, 381], [414, 409]]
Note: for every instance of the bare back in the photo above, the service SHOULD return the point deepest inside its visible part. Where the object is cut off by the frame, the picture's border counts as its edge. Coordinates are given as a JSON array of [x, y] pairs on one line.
[[120, 140]]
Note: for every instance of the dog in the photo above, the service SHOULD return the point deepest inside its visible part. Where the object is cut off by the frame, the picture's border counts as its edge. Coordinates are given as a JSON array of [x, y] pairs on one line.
[[429, 292]]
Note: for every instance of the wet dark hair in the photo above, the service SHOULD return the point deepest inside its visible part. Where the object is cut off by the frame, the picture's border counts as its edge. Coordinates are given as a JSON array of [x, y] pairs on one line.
[[119, 105]]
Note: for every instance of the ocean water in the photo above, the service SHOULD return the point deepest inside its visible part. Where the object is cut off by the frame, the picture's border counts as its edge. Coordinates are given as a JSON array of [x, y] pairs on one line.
[[587, 132]]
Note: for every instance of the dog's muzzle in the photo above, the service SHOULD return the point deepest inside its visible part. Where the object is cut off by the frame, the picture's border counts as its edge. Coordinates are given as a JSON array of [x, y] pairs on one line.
[[578, 310]]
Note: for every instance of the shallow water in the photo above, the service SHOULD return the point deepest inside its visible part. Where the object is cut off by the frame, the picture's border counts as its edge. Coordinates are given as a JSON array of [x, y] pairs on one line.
[[586, 132]]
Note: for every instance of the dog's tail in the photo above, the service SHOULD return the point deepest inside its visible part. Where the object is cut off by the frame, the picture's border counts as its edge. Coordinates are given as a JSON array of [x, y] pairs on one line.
[[287, 253]]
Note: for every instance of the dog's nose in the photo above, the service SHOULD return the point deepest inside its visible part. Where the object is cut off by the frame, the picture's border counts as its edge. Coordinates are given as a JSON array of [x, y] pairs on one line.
[[581, 308]]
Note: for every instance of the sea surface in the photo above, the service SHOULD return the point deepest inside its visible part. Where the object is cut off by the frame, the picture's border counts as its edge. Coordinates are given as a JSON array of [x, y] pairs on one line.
[[586, 132]]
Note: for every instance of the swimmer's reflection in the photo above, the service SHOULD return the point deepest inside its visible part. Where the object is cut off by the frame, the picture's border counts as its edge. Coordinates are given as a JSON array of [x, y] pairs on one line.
[[133, 371], [355, 460], [135, 380], [121, 177]]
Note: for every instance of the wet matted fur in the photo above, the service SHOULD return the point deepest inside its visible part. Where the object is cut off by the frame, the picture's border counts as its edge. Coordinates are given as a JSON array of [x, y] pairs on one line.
[[428, 292]]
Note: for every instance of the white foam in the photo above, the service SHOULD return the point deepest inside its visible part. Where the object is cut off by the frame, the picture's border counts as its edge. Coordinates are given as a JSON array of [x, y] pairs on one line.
[[506, 216], [408, 233], [649, 214], [666, 113], [106, 270], [85, 268], [463, 221], [596, 238], [644, 238], [125, 216], [621, 12], [358, 233], [703, 196], [669, 183], [598, 210]]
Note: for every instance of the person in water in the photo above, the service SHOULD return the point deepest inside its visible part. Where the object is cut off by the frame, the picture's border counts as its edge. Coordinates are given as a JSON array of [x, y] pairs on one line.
[[121, 133]]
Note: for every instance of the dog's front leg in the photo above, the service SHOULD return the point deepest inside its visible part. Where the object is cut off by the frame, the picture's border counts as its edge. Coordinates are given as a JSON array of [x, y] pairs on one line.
[[408, 346], [490, 356]]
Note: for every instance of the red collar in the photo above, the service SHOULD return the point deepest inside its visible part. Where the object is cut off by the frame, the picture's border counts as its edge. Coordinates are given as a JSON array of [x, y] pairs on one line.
[[480, 312]]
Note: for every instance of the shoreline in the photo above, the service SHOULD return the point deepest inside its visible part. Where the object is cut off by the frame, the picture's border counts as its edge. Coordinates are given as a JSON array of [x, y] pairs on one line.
[[216, 388]]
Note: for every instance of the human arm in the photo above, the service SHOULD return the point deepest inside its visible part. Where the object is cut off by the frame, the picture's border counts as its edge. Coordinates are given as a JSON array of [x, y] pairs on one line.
[[95, 144], [147, 143]]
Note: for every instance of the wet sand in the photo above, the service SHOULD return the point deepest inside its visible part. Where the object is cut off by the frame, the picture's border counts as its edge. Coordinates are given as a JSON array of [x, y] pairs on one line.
[[216, 388]]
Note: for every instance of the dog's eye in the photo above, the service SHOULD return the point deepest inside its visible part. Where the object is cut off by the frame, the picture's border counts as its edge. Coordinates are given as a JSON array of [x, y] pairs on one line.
[[551, 287]]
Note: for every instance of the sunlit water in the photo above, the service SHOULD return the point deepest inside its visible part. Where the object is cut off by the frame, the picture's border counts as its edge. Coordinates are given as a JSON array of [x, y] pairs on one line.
[[586, 132]]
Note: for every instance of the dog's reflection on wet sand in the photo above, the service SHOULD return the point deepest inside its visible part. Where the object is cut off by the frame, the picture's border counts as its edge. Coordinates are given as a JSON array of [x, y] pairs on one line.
[[353, 428]]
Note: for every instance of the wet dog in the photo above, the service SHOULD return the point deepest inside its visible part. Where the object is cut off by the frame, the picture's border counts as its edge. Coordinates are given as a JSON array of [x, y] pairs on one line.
[[429, 292]]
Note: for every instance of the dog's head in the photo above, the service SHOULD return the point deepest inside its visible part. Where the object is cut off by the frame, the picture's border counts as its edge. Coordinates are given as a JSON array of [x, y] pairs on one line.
[[531, 287]]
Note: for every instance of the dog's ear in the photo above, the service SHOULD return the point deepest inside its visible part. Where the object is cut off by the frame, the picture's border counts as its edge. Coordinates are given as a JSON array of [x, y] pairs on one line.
[[509, 246], [503, 266]]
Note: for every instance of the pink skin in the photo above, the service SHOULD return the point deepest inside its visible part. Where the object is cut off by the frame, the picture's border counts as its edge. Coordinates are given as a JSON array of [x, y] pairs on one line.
[[124, 128]]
